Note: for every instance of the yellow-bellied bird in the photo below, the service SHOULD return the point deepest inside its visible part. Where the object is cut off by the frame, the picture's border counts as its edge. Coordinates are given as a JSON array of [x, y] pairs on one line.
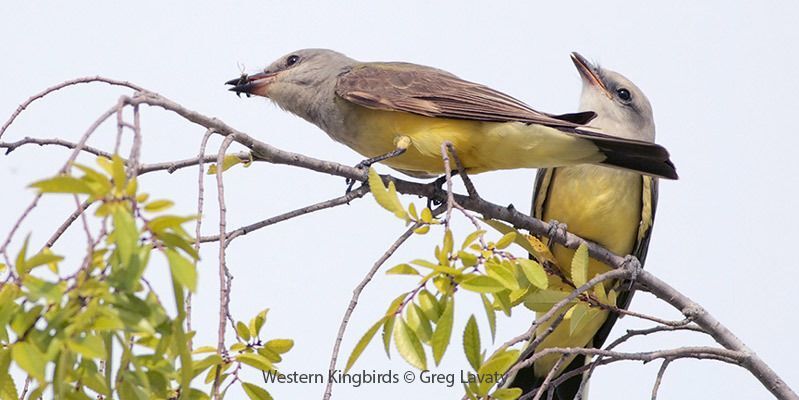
[[402, 113], [612, 207]]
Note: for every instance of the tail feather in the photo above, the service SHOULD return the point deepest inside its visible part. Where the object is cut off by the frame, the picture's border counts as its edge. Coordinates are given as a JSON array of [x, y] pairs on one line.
[[644, 157], [526, 380]]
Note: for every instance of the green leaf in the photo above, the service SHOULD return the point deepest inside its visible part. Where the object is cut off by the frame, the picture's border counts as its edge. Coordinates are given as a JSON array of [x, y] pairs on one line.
[[427, 216], [243, 331], [580, 266], [582, 315], [534, 273], [543, 300], [490, 314], [412, 212], [402, 269], [495, 366], [422, 230], [229, 161], [362, 343], [161, 223], [506, 394], [125, 233], [471, 344], [30, 359], [503, 276], [183, 270], [419, 323], [20, 266], [255, 360], [100, 184], [158, 205], [118, 172], [8, 389], [471, 238], [90, 346], [259, 320], [255, 392], [409, 346], [280, 346], [62, 184], [430, 306], [387, 198], [482, 284], [446, 247], [505, 240], [199, 366], [388, 330], [441, 337], [43, 257]]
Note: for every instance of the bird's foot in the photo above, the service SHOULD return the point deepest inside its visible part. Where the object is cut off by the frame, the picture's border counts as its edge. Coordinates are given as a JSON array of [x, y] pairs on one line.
[[632, 264], [365, 164], [556, 229]]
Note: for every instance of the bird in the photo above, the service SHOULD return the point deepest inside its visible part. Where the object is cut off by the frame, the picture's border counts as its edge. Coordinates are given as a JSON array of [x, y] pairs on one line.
[[614, 208], [401, 114]]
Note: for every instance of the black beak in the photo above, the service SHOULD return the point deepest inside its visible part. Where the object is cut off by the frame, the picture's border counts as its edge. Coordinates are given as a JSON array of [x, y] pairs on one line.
[[588, 72], [251, 84]]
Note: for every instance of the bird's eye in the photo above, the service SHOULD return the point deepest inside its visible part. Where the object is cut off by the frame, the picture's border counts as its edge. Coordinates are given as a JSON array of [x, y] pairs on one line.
[[292, 59], [624, 94]]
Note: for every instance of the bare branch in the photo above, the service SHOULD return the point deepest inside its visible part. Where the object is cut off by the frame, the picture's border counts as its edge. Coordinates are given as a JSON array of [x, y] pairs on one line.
[[224, 274], [198, 225], [11, 146], [659, 378], [352, 195], [62, 85]]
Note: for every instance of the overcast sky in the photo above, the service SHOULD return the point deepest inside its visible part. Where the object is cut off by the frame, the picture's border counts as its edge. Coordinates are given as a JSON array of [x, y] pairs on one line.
[[721, 75]]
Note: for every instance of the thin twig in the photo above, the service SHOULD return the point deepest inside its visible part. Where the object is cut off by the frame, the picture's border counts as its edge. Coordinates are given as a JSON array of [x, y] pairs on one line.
[[467, 182], [224, 274], [62, 85], [659, 378], [552, 373], [11, 146], [198, 225], [346, 199], [356, 293]]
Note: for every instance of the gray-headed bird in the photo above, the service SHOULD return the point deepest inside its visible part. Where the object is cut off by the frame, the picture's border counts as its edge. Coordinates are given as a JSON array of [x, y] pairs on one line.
[[401, 114], [612, 207]]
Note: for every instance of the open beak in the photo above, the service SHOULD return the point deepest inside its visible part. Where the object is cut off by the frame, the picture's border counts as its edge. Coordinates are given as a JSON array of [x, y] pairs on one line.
[[256, 84], [588, 73]]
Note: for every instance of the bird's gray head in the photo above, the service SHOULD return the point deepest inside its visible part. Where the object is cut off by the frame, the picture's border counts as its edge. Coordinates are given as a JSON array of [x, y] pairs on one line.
[[296, 81], [622, 108]]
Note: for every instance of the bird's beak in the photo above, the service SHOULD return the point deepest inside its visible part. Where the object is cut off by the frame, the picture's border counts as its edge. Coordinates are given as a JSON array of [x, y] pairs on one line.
[[257, 84], [588, 73]]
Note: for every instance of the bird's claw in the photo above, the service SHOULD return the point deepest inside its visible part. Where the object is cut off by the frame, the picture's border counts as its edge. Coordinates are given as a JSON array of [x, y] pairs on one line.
[[556, 229]]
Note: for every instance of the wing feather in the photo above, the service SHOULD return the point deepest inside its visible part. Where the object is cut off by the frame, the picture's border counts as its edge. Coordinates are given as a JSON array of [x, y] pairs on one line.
[[431, 92]]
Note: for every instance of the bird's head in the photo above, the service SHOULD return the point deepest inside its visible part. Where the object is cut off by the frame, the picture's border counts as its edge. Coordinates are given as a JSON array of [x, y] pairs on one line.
[[296, 81], [306, 68], [622, 108]]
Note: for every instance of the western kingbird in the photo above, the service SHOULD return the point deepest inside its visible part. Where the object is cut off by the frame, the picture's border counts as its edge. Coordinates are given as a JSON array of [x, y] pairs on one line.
[[391, 108], [612, 207]]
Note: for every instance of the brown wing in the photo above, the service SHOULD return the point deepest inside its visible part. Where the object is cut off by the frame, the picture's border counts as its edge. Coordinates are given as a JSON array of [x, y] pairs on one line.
[[434, 93]]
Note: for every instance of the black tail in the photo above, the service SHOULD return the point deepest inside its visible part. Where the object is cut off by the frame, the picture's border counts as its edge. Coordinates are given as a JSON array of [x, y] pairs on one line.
[[644, 157], [567, 390]]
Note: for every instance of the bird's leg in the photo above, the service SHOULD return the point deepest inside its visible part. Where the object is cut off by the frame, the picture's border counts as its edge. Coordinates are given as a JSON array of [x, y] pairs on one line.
[[438, 183], [462, 172], [555, 229], [402, 144], [631, 263]]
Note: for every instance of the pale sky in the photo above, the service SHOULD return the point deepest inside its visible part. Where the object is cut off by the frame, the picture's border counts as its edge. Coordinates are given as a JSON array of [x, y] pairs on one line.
[[721, 77]]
